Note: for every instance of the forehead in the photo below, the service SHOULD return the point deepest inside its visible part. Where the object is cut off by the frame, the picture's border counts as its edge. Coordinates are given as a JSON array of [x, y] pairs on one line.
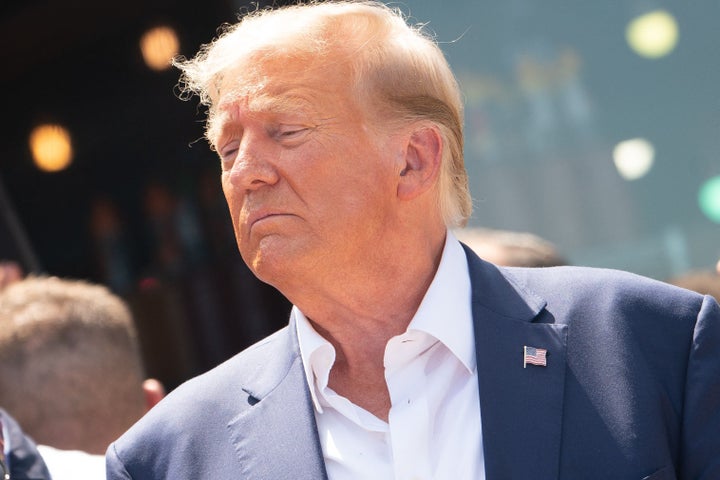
[[283, 87], [273, 75], [271, 94]]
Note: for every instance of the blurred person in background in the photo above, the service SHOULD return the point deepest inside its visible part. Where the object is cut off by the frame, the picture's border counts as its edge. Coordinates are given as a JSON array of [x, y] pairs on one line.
[[705, 282], [509, 248], [70, 370], [339, 131]]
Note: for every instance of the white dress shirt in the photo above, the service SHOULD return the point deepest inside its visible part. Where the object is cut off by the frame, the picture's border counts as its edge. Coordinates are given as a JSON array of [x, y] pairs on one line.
[[72, 464], [433, 430]]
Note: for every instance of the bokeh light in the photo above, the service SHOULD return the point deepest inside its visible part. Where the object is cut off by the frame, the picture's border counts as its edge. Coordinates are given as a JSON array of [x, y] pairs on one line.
[[653, 35], [158, 46], [709, 199], [51, 147], [634, 158]]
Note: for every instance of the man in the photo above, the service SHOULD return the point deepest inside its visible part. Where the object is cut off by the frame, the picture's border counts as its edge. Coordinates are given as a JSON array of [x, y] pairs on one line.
[[339, 133], [70, 370]]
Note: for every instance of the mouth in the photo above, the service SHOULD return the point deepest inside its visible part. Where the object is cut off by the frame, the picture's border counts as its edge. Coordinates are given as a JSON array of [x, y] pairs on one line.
[[259, 217]]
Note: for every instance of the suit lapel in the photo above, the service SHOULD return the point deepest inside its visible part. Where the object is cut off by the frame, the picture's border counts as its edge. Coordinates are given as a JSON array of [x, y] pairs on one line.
[[277, 436], [521, 408]]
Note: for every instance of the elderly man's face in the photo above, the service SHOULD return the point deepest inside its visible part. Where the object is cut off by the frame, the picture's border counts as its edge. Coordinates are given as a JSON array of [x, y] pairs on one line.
[[310, 183]]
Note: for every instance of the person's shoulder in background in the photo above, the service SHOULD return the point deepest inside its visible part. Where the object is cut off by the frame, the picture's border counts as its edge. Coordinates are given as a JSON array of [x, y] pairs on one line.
[[19, 453], [73, 464]]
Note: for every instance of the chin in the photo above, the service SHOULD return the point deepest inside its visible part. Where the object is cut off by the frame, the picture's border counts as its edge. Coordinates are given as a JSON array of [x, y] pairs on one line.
[[280, 259], [269, 265]]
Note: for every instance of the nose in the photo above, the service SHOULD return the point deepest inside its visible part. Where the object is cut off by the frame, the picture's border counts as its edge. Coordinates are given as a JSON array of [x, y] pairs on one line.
[[253, 167]]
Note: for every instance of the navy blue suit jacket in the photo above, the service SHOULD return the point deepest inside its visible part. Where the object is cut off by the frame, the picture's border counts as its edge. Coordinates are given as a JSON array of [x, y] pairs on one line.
[[631, 390]]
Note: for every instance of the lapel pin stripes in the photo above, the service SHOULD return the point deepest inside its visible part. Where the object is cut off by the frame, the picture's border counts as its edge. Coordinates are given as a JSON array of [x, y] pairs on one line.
[[534, 356]]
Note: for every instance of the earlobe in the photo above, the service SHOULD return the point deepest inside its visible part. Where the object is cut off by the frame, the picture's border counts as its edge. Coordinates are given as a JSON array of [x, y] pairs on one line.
[[422, 158], [154, 391]]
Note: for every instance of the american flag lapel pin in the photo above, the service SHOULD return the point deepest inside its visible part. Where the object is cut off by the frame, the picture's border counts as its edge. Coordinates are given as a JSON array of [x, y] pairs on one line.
[[534, 356]]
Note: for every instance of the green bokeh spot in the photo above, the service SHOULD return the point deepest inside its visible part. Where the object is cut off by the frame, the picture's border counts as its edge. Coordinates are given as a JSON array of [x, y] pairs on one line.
[[709, 199]]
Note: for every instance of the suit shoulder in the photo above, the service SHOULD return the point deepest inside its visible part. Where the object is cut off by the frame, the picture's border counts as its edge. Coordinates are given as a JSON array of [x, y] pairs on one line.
[[584, 278], [593, 286], [236, 370]]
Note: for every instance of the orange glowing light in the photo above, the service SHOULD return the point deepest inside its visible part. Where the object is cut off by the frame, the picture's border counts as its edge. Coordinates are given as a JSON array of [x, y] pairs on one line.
[[51, 147], [158, 46]]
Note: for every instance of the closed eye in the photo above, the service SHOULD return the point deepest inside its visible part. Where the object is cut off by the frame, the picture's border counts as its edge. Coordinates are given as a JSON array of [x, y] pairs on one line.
[[291, 132], [228, 152]]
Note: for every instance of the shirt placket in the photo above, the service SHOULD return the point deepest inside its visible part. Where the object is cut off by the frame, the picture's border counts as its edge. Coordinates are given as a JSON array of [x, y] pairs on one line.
[[410, 418]]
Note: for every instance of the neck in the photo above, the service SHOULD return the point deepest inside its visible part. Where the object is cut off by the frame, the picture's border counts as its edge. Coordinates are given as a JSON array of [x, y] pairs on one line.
[[376, 297], [359, 314]]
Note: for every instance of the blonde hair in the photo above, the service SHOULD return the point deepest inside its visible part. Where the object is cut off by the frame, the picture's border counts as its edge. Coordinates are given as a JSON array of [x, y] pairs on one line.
[[396, 68]]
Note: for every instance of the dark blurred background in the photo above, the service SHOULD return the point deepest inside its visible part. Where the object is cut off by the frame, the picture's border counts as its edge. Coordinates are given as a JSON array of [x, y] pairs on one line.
[[139, 208], [577, 129]]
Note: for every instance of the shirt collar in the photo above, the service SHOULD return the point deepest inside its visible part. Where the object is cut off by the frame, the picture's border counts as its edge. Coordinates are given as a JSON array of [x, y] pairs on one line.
[[318, 355], [445, 313]]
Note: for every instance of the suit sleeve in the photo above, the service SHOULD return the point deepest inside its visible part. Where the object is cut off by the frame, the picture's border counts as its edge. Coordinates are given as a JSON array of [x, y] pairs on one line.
[[700, 454], [114, 467]]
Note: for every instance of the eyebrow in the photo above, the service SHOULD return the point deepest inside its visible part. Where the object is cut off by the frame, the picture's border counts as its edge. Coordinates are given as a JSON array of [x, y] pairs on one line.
[[278, 102], [219, 123]]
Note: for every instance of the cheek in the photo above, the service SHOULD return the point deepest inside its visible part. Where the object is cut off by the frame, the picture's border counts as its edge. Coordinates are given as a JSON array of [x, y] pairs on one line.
[[233, 200]]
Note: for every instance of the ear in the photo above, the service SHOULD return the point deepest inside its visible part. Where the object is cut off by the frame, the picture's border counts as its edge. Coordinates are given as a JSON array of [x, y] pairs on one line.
[[154, 392], [421, 162]]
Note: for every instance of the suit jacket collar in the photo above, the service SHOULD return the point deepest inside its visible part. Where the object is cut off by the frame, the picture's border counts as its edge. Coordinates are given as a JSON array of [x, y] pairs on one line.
[[277, 437], [521, 408]]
